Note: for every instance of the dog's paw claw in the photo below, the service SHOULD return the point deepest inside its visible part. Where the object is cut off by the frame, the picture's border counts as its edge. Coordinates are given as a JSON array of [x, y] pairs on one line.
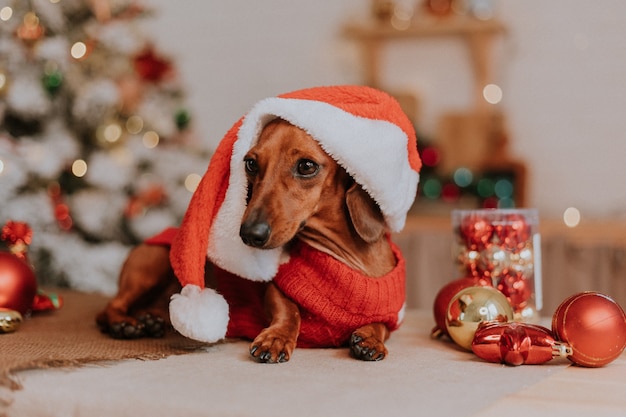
[[265, 354], [154, 326], [367, 349], [126, 331]]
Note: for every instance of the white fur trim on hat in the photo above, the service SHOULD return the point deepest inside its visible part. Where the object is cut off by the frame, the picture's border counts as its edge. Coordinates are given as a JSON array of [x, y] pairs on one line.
[[349, 139], [200, 314]]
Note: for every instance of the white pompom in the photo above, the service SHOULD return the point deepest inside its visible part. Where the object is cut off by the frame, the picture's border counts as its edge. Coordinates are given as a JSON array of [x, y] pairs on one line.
[[199, 314]]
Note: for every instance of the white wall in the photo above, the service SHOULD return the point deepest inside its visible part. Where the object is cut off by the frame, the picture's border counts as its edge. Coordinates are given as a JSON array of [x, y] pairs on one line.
[[562, 67]]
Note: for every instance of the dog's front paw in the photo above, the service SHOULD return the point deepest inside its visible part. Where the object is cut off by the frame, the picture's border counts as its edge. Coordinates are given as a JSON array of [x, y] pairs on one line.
[[126, 330], [367, 347], [271, 346], [125, 327], [153, 325]]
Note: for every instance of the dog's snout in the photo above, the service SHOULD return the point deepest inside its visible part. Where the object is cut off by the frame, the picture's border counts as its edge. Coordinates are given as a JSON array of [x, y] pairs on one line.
[[255, 234]]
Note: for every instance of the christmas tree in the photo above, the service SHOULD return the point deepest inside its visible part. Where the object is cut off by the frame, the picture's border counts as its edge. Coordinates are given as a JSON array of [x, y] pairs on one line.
[[96, 152]]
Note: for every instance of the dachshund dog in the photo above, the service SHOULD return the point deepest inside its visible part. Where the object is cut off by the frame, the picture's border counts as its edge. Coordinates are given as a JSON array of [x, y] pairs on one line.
[[295, 191]]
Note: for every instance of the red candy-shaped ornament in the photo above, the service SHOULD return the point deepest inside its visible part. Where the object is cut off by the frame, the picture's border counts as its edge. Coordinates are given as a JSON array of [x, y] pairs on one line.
[[516, 344]]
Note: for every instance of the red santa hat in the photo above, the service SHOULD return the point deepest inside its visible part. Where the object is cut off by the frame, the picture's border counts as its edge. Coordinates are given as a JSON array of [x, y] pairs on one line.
[[362, 128]]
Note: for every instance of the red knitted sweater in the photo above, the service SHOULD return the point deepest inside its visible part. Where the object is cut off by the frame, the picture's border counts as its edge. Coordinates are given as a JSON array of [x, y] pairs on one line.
[[334, 299]]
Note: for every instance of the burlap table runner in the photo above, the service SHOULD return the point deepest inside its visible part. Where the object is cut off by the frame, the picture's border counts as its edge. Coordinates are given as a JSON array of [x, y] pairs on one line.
[[70, 337]]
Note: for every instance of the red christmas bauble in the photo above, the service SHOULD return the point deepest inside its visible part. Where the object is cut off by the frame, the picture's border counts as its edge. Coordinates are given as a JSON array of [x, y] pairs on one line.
[[476, 231], [516, 288], [18, 285], [593, 325], [444, 296], [514, 232]]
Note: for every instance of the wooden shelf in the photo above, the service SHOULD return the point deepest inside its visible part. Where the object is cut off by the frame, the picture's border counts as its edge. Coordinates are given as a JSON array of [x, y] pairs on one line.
[[423, 27], [478, 34]]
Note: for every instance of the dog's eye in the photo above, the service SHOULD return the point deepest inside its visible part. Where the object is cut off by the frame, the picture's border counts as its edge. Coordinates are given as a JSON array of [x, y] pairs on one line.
[[307, 168], [252, 168]]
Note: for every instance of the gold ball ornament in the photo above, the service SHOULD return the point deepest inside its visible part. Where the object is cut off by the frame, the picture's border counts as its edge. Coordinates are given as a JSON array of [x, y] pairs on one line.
[[10, 320], [472, 306]]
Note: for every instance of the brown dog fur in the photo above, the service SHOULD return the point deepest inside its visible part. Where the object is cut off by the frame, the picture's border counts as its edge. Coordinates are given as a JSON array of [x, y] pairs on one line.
[[296, 190]]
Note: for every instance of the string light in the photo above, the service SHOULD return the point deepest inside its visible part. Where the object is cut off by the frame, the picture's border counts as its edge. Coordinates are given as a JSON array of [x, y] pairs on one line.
[[134, 124], [78, 51], [79, 168], [571, 217], [430, 156], [109, 133], [112, 132], [492, 93], [432, 188], [6, 13], [485, 187], [192, 181], [150, 139], [503, 188], [463, 177], [401, 19]]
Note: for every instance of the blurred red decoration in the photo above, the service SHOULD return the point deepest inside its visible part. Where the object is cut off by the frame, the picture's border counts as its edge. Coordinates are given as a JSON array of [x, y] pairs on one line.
[[30, 31], [594, 325], [17, 235], [490, 203], [151, 67], [153, 196], [18, 285], [439, 8], [430, 156], [450, 192], [61, 210], [44, 301]]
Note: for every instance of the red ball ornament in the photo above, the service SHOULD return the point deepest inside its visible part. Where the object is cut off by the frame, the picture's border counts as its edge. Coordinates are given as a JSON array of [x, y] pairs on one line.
[[476, 231], [444, 296], [593, 325], [18, 285], [494, 260], [513, 232], [516, 288]]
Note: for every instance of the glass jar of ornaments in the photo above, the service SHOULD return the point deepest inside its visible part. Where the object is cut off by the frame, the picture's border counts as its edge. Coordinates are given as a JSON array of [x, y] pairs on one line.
[[501, 248]]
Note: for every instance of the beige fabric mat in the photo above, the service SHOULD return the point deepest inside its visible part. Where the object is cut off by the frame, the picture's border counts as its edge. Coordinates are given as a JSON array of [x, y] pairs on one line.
[[70, 337]]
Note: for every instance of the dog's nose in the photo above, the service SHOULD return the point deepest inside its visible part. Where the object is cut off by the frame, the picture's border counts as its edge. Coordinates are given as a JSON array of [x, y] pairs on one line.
[[255, 234]]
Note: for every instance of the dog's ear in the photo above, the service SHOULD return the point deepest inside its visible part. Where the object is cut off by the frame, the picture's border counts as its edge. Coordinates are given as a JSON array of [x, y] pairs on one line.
[[365, 214]]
